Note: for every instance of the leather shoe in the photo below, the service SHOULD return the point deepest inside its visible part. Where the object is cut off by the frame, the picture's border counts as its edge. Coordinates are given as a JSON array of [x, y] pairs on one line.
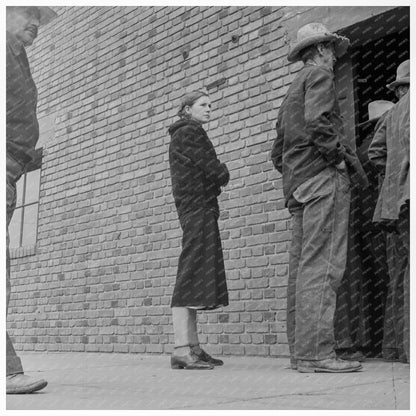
[[330, 365], [21, 384], [189, 361], [204, 356]]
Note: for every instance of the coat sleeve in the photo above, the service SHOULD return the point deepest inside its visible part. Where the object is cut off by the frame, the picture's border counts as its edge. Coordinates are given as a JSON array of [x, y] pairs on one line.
[[277, 150], [320, 101], [197, 147], [377, 151], [404, 123]]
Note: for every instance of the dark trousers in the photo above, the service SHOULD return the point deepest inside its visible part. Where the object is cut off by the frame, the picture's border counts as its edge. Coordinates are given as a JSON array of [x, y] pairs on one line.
[[404, 231], [397, 315], [320, 212], [359, 314], [14, 172]]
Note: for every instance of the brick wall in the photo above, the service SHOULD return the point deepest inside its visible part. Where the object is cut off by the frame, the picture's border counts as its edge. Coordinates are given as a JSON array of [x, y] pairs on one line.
[[109, 80]]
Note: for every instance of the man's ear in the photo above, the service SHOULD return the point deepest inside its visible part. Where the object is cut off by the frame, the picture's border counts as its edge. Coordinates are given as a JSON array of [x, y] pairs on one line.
[[320, 48]]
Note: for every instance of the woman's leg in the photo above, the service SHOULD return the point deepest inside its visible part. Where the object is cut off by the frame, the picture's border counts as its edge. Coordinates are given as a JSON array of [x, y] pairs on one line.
[[194, 341], [192, 329], [184, 328], [193, 332]]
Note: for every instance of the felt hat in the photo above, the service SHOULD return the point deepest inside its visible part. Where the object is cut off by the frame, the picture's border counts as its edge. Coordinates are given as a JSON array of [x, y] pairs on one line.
[[314, 33], [376, 109], [402, 75], [46, 13]]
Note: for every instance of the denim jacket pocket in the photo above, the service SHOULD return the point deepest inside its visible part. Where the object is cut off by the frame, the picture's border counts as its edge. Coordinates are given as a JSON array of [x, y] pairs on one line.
[[319, 185]]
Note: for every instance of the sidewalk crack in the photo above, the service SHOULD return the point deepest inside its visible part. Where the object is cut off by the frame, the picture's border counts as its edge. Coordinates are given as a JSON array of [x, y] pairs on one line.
[[394, 387]]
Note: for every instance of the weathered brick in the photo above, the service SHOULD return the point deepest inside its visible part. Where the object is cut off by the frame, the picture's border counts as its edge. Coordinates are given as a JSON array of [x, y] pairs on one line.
[[233, 349], [104, 268]]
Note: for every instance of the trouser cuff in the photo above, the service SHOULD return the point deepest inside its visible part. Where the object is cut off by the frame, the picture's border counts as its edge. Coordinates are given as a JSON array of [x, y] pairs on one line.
[[13, 366]]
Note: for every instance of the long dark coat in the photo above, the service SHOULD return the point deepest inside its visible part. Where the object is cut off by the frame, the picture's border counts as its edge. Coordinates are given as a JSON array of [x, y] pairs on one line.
[[197, 176]]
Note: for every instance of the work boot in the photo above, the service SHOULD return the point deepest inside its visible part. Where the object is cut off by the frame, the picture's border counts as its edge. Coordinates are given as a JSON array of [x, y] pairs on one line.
[[21, 384], [330, 365]]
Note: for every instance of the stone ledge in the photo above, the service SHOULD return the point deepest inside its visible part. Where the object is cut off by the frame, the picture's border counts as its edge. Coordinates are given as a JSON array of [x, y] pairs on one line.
[[16, 253]]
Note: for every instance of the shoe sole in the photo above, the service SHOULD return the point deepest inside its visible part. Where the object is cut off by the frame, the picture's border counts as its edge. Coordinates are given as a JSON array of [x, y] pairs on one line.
[[28, 389], [360, 359], [179, 367], [325, 370]]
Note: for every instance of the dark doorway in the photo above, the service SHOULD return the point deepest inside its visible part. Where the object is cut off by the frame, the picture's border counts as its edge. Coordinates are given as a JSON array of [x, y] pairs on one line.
[[378, 46], [374, 66]]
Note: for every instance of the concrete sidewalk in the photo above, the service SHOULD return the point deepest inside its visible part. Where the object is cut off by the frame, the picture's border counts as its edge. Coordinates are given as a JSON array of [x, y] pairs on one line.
[[125, 381]]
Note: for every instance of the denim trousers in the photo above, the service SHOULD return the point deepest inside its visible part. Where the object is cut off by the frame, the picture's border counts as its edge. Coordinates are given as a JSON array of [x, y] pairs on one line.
[[320, 214], [13, 173]]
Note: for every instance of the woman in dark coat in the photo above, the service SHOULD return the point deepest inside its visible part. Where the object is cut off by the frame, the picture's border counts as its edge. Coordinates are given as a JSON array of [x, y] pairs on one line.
[[197, 176]]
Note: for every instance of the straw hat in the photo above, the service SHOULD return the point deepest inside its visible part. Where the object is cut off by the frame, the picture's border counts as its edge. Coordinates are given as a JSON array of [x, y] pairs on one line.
[[402, 75], [376, 109], [46, 13], [314, 33]]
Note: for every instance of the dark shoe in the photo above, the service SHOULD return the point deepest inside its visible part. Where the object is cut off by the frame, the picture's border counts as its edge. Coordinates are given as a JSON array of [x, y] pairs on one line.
[[390, 354], [204, 356], [293, 363], [331, 365], [21, 384], [391, 360], [350, 354], [403, 358], [189, 361]]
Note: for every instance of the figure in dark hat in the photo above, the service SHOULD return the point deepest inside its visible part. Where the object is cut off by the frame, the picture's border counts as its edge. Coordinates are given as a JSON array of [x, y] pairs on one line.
[[390, 153], [22, 132]]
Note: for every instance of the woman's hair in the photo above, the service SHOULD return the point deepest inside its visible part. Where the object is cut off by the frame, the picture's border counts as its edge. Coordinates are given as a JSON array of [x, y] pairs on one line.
[[188, 100]]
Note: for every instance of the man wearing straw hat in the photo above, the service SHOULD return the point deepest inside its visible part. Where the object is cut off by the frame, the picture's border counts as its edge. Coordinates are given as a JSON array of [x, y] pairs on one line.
[[390, 153], [317, 164], [22, 132]]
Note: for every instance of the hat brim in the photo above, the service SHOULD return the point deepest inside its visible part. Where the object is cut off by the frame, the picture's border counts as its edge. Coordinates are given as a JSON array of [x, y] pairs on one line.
[[46, 15], [395, 84], [341, 45]]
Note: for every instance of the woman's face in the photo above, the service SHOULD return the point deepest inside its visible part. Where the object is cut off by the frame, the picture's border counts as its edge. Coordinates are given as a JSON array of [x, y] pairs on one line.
[[200, 110]]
